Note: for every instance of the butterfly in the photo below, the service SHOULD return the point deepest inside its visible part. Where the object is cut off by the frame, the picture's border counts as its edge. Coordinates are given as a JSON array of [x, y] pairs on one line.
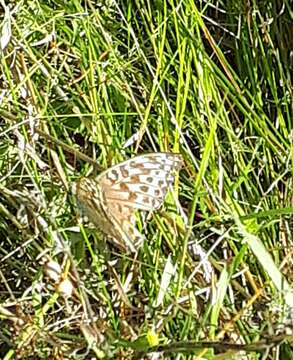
[[111, 199]]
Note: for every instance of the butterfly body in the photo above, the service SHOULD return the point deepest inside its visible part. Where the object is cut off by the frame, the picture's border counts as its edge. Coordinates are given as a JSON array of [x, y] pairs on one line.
[[111, 200]]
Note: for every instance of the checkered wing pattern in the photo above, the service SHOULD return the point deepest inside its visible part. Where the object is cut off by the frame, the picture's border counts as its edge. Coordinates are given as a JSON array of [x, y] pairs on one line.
[[111, 199]]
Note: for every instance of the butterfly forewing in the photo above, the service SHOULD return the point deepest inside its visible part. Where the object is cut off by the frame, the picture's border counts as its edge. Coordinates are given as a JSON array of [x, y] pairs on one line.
[[112, 198]]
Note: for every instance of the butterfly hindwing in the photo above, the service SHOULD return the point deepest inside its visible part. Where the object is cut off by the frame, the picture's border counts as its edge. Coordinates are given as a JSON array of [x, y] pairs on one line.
[[141, 182]]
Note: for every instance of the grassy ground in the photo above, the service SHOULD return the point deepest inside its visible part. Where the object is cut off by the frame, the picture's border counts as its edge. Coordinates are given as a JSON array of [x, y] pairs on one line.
[[85, 83]]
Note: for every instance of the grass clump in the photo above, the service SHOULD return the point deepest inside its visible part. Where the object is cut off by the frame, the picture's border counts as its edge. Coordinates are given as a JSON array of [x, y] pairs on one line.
[[86, 85]]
